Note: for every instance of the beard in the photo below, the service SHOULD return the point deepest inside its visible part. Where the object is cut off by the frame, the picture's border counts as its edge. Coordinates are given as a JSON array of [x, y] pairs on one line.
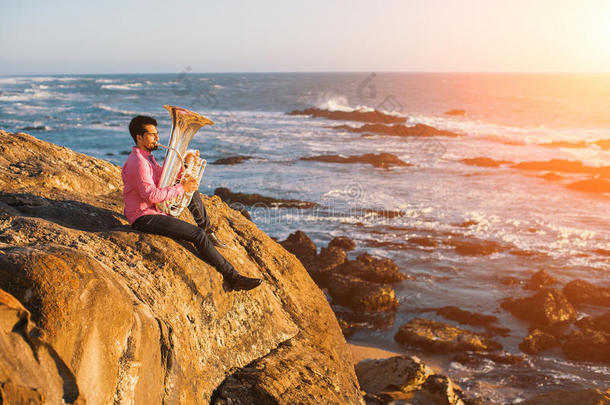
[[154, 147]]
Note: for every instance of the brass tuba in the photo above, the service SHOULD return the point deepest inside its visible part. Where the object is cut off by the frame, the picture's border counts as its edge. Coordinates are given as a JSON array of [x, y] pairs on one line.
[[185, 124]]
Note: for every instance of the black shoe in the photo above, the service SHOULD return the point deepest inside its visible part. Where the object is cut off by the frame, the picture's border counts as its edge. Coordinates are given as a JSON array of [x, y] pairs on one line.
[[239, 282], [215, 241]]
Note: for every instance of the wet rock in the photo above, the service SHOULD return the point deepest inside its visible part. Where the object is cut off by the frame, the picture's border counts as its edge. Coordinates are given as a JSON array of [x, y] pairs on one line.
[[423, 241], [260, 201], [329, 259], [475, 359], [36, 128], [379, 160], [563, 166], [565, 144], [342, 242], [465, 317], [352, 321], [399, 373], [601, 323], [361, 295], [583, 292], [538, 341], [373, 269], [300, 245], [591, 186], [417, 130], [540, 280], [439, 337], [603, 143], [484, 162], [439, 390], [588, 345], [510, 280], [232, 160], [561, 397], [362, 116], [475, 247], [455, 112], [547, 308], [552, 176]]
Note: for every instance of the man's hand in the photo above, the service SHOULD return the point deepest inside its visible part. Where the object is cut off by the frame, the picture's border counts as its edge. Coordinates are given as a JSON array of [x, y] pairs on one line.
[[189, 184]]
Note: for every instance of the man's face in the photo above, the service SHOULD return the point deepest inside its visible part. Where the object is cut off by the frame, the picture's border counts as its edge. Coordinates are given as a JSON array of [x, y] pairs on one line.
[[148, 139]]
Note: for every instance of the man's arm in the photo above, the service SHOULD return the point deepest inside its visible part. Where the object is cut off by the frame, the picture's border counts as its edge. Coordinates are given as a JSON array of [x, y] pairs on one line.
[[149, 191]]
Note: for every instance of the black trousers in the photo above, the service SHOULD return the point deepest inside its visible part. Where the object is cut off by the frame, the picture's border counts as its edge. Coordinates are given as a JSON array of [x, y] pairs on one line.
[[178, 229]]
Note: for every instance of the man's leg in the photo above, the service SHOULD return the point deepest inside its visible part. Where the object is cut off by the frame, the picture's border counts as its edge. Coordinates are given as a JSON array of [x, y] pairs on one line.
[[199, 213], [178, 229]]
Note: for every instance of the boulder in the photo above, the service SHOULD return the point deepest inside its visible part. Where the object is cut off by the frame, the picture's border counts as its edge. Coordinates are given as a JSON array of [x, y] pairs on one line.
[[601, 323], [465, 317], [548, 307], [140, 318], [484, 162], [455, 112], [583, 292], [439, 390], [329, 259], [373, 269], [300, 245], [439, 337], [588, 345], [417, 130], [379, 160], [475, 246], [538, 341], [539, 280], [361, 295], [564, 166], [398, 373], [342, 242], [591, 186]]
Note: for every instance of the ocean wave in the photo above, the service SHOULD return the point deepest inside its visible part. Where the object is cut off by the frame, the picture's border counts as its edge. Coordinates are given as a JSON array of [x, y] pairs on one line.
[[114, 110], [27, 95], [340, 103], [126, 86]]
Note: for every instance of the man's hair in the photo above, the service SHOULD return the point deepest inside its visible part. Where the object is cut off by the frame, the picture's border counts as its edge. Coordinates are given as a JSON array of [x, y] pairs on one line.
[[136, 126]]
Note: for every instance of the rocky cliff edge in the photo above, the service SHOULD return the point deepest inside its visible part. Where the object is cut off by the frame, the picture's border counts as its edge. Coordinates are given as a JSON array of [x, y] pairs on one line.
[[99, 313]]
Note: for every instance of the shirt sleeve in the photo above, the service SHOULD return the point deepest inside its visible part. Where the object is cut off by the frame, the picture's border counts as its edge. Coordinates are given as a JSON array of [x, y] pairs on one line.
[[147, 188]]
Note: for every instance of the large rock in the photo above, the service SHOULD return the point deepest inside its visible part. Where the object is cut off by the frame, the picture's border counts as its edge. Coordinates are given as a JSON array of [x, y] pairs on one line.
[[417, 130], [342, 242], [439, 337], [373, 269], [539, 280], [588, 345], [329, 259], [537, 341], [301, 245], [356, 115], [399, 373], [140, 318], [583, 292], [361, 295], [547, 308], [380, 160], [259, 201]]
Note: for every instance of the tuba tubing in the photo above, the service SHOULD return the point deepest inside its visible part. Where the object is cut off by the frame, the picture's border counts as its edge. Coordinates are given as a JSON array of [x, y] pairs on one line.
[[185, 124]]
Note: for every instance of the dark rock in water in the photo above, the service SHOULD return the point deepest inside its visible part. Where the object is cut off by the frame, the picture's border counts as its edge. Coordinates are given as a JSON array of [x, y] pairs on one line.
[[484, 162], [455, 112], [583, 397], [399, 373], [36, 128], [329, 259], [588, 345], [540, 280], [466, 224], [475, 247], [546, 308], [361, 295], [300, 245], [381, 160], [603, 143], [418, 130], [342, 242], [565, 144], [362, 116], [563, 166], [260, 201], [583, 292], [465, 317], [591, 186], [423, 241], [352, 321], [439, 337], [475, 359], [373, 269], [232, 160], [389, 214], [510, 280], [439, 389], [538, 341], [601, 323]]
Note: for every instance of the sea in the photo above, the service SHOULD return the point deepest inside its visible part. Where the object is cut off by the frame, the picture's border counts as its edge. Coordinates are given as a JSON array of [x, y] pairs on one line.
[[538, 221]]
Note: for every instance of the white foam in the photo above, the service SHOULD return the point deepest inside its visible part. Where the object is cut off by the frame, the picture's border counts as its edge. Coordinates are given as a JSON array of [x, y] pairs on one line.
[[126, 86], [115, 110]]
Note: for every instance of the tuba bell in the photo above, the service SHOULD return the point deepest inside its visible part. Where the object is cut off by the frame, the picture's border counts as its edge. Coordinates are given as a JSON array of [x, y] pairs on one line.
[[185, 124]]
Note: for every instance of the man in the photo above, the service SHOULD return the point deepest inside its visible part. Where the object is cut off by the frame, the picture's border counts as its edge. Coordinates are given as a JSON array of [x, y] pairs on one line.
[[141, 174]]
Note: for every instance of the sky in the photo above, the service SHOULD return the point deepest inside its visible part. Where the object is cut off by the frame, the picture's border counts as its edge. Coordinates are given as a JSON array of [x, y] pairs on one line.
[[77, 37]]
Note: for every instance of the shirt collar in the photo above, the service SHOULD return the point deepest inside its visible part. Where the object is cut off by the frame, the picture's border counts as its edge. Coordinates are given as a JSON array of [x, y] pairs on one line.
[[142, 152]]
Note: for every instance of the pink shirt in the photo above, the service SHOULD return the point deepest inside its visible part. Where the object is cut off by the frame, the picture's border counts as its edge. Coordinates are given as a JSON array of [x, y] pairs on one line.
[[141, 174]]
